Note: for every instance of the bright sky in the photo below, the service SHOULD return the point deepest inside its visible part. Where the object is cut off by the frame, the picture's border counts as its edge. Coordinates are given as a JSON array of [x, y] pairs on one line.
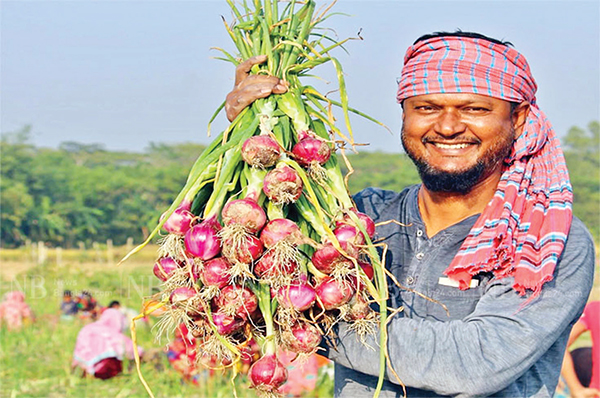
[[126, 73]]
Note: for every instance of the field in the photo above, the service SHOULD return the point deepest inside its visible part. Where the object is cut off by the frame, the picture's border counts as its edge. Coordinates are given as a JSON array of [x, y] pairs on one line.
[[35, 362]]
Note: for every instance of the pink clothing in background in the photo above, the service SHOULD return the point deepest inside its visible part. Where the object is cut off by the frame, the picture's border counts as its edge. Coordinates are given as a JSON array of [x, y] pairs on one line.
[[102, 339], [13, 310], [302, 373], [591, 319]]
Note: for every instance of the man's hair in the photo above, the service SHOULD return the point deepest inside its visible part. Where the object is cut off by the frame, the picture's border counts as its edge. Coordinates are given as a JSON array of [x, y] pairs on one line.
[[460, 33], [113, 304], [67, 293]]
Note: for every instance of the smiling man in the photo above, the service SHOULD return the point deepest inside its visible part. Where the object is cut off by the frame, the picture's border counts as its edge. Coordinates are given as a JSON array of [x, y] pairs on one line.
[[489, 233]]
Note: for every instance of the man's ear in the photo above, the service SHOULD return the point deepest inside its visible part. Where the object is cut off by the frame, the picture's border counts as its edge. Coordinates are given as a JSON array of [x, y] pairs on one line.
[[519, 116], [402, 110]]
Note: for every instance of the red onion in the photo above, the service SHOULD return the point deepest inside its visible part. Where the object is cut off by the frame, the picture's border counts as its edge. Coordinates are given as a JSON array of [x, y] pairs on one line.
[[359, 308], [302, 337], [349, 233], [328, 258], [245, 252], [226, 324], [236, 301], [164, 267], [215, 273], [202, 239], [334, 293], [267, 374], [279, 229], [298, 295], [193, 266], [250, 352], [179, 221], [368, 269], [245, 212], [310, 150], [283, 185], [269, 266], [261, 151], [182, 294], [367, 222]]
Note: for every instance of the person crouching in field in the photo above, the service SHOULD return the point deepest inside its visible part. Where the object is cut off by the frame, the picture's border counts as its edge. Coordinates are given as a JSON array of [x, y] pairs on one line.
[[68, 307], [87, 306], [14, 312], [101, 346]]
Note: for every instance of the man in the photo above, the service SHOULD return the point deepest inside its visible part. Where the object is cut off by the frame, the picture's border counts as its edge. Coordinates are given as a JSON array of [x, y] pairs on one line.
[[489, 233]]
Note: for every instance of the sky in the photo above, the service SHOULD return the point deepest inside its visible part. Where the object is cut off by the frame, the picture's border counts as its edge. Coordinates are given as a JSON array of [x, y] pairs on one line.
[[127, 73]]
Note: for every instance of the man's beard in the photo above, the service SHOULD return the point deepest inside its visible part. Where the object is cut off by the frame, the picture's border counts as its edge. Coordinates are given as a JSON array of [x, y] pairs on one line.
[[461, 181]]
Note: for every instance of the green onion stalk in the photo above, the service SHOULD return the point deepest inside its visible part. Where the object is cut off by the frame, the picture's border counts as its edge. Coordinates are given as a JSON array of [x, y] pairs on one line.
[[264, 239]]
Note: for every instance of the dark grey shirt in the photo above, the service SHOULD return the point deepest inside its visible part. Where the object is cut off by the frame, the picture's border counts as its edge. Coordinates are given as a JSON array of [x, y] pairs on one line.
[[490, 344]]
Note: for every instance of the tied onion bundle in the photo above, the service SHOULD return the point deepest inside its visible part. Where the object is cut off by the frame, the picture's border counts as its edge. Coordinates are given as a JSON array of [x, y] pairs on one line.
[[264, 242]]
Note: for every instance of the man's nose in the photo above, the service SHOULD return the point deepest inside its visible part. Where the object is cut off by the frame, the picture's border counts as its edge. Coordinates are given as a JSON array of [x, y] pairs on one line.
[[449, 123]]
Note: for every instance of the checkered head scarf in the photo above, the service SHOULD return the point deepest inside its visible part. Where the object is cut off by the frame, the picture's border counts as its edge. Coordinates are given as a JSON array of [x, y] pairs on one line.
[[522, 231]]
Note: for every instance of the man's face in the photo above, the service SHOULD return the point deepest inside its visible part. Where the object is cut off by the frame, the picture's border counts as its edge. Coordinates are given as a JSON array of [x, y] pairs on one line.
[[457, 140]]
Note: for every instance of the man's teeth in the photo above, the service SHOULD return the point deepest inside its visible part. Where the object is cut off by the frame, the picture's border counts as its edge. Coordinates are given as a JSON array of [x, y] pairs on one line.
[[451, 146]]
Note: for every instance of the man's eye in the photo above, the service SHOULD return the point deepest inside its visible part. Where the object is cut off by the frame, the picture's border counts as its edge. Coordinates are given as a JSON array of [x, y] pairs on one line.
[[424, 107], [476, 109]]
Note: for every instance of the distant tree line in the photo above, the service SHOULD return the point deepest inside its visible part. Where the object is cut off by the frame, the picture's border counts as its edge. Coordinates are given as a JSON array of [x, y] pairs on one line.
[[84, 193]]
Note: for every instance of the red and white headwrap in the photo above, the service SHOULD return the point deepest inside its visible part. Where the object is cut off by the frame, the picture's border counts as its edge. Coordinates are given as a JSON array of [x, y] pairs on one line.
[[522, 231]]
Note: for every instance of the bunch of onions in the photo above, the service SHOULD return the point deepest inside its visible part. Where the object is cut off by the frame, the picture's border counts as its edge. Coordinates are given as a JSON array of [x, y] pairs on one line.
[[264, 242]]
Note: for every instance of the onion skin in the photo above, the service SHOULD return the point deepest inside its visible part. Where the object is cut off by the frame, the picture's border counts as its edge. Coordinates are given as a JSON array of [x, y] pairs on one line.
[[267, 374], [250, 252], [328, 258], [280, 229], [268, 268], [359, 309], [368, 269], [298, 295], [182, 294], [236, 300], [350, 234], [310, 150], [283, 185], [261, 151], [367, 222], [202, 239], [215, 273], [245, 212], [179, 222], [164, 267], [226, 324], [334, 293], [302, 337]]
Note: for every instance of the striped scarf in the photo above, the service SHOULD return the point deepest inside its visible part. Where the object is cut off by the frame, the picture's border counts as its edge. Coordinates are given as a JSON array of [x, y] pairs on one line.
[[522, 231]]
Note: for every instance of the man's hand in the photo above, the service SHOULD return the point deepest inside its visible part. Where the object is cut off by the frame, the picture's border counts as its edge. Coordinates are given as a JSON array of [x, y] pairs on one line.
[[248, 88]]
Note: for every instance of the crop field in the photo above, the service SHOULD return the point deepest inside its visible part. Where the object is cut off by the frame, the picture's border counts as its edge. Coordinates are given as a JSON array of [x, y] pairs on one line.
[[36, 361]]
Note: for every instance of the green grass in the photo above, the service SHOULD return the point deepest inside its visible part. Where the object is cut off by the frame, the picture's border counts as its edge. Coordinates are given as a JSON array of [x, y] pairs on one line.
[[36, 361]]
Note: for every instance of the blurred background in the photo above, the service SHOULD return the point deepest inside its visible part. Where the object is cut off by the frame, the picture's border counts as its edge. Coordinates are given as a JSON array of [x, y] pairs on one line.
[[104, 107]]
